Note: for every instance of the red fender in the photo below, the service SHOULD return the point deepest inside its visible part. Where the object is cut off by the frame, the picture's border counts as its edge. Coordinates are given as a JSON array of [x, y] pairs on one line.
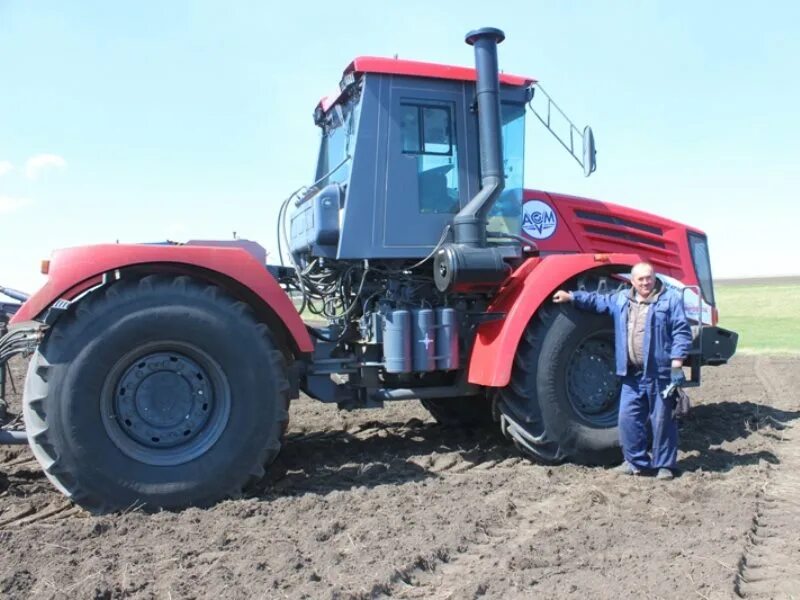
[[74, 270], [520, 297]]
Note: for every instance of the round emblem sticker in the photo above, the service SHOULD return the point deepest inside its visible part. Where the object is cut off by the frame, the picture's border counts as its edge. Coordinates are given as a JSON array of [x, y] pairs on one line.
[[538, 220]]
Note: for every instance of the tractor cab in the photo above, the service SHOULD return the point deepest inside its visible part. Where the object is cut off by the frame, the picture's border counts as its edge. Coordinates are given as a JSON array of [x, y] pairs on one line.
[[399, 157]]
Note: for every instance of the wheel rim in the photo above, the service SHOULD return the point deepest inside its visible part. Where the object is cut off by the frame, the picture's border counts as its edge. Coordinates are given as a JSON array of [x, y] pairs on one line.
[[592, 387], [165, 403]]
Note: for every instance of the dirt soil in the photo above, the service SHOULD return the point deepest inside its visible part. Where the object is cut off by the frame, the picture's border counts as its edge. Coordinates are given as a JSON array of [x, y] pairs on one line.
[[376, 504]]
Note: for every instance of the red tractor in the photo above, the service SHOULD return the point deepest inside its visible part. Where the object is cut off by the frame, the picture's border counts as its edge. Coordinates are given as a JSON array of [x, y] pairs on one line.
[[162, 374]]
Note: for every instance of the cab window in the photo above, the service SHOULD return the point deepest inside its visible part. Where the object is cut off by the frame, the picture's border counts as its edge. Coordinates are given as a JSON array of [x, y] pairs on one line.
[[428, 134]]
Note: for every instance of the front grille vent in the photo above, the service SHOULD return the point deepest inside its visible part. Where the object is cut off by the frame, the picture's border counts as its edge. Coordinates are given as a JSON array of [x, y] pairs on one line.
[[612, 220]]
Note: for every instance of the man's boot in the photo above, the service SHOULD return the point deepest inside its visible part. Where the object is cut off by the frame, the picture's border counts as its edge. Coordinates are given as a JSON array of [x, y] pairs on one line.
[[665, 474], [626, 468]]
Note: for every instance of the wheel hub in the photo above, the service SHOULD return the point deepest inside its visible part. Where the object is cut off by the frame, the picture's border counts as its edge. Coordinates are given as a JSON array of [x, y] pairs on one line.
[[166, 407], [593, 389], [163, 400]]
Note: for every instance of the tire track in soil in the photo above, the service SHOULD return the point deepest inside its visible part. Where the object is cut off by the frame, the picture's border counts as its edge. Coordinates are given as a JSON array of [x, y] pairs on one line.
[[465, 570], [438, 452], [28, 497], [414, 446], [422, 577], [770, 564]]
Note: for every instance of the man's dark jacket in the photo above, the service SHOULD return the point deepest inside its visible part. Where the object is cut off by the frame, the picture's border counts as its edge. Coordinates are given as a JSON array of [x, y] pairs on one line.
[[667, 333]]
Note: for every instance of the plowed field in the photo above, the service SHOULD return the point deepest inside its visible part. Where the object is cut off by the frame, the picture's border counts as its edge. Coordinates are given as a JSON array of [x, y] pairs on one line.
[[387, 503]]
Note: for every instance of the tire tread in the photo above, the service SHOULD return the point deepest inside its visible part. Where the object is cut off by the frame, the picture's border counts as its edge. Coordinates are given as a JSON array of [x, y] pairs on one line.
[[37, 393], [522, 420]]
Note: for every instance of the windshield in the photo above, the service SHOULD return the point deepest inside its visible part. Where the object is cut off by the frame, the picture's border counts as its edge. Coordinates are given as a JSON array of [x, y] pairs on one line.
[[506, 214], [338, 138]]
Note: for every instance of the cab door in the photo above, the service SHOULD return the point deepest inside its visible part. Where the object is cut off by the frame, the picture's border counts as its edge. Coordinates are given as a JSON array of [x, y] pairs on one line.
[[426, 177]]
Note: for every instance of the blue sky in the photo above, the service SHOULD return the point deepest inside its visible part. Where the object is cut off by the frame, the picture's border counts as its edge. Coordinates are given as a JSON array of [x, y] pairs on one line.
[[142, 121]]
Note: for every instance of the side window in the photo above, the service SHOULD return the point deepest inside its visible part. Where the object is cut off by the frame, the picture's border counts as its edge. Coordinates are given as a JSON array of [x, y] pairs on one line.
[[506, 214], [428, 134], [337, 143]]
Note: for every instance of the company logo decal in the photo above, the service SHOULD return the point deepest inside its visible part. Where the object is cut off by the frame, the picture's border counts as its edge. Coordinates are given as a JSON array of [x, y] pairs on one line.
[[538, 220]]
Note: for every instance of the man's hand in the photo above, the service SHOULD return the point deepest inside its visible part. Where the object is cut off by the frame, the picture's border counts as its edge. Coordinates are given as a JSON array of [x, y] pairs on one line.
[[562, 296], [677, 378]]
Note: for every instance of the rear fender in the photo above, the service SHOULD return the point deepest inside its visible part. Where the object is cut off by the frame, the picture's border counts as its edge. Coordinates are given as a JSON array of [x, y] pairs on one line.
[[532, 284], [73, 271]]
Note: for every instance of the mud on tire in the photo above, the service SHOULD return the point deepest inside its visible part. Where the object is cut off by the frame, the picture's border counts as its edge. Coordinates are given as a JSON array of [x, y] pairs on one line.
[[160, 392], [563, 398]]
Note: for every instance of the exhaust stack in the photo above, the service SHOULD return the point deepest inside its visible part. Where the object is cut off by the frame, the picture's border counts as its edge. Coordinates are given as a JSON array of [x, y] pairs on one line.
[[469, 225], [468, 264]]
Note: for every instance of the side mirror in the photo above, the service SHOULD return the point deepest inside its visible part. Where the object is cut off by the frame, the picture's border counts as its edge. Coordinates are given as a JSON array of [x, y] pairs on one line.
[[589, 152]]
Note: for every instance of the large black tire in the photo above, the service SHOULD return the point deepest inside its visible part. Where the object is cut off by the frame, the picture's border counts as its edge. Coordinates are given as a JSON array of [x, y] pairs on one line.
[[563, 399], [158, 393], [466, 412]]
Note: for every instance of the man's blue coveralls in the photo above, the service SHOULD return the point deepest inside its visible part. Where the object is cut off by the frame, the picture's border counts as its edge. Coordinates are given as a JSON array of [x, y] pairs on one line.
[[643, 411]]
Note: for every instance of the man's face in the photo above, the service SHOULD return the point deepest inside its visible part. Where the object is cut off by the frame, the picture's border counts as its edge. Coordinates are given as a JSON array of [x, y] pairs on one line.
[[643, 281]]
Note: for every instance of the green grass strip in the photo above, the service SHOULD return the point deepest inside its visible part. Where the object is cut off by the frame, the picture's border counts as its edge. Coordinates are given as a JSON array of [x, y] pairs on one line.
[[767, 317]]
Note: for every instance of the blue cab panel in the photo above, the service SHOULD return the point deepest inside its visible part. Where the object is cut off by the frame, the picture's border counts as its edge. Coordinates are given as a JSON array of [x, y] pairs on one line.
[[315, 223], [398, 158]]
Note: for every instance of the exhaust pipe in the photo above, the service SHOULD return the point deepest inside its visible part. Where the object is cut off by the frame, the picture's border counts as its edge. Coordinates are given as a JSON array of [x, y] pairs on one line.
[[469, 225], [468, 264]]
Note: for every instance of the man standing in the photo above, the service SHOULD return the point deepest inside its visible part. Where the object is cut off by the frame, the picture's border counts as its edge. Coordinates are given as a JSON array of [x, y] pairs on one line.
[[652, 339]]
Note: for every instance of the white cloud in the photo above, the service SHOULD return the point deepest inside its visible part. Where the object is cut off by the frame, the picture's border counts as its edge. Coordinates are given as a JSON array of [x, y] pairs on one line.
[[41, 162], [5, 167], [9, 204]]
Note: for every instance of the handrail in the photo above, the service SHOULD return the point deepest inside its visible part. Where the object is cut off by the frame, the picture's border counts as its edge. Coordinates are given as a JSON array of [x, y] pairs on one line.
[[573, 130]]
